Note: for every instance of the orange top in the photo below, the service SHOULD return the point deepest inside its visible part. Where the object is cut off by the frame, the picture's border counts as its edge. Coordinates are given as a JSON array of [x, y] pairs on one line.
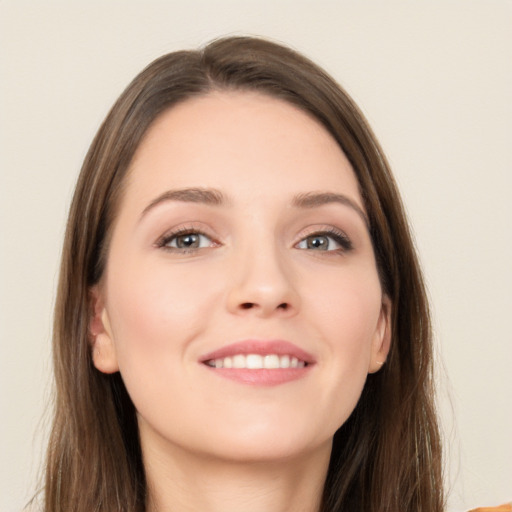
[[503, 508]]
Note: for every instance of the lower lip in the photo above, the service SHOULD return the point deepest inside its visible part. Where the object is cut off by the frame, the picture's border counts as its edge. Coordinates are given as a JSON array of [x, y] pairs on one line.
[[262, 377]]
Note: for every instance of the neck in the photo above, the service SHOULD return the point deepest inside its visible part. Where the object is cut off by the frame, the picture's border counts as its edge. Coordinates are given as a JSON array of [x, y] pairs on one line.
[[179, 481]]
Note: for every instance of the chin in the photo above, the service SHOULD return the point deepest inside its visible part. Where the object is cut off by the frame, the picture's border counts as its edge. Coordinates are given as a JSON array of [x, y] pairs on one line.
[[259, 443]]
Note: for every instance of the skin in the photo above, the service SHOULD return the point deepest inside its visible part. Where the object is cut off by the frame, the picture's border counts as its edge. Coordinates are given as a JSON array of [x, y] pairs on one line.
[[210, 443]]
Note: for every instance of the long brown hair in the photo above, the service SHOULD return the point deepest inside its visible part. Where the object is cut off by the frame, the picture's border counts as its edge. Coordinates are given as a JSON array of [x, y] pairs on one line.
[[387, 456]]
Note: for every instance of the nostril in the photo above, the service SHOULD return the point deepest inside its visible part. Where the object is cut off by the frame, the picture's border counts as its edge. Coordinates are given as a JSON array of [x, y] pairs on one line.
[[251, 305]]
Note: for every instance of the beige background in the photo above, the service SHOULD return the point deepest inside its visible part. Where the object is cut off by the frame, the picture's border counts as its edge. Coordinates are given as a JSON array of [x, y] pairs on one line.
[[433, 77]]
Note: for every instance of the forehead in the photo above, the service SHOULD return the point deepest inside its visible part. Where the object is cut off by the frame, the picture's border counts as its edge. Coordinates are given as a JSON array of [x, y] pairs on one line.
[[244, 143]]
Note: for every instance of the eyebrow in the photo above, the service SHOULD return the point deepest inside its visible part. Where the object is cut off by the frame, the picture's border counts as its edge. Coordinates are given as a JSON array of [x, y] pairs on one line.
[[207, 196], [316, 199], [214, 197]]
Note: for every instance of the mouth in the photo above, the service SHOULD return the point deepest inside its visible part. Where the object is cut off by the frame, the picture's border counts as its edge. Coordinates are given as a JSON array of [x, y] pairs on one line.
[[261, 363], [257, 362]]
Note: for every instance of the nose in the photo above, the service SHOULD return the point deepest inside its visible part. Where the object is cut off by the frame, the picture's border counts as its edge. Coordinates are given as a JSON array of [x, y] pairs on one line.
[[262, 283]]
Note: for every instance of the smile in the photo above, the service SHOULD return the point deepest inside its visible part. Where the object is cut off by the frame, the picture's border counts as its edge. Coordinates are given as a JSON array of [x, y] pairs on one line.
[[260, 362], [257, 362]]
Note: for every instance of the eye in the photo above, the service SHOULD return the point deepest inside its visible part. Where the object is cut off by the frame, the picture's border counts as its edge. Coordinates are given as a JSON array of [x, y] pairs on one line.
[[326, 241], [185, 241]]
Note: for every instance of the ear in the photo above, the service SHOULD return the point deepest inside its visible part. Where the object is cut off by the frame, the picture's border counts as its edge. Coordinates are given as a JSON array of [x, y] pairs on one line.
[[100, 333], [382, 338]]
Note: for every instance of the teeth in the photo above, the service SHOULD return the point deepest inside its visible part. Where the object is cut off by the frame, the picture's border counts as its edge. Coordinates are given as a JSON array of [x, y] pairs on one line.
[[257, 362], [254, 361], [271, 361], [239, 361], [284, 361]]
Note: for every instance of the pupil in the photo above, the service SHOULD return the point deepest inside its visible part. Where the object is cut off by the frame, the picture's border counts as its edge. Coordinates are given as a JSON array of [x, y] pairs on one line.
[[318, 242], [189, 240]]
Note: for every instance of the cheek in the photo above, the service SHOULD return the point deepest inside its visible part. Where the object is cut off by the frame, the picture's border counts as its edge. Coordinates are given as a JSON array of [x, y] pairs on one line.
[[155, 313], [345, 315], [347, 306]]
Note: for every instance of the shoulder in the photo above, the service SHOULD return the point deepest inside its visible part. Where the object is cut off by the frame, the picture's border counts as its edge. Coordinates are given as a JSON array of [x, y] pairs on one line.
[[502, 508]]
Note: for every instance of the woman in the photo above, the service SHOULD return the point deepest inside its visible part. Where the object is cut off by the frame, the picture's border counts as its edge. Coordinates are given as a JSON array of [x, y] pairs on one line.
[[241, 321]]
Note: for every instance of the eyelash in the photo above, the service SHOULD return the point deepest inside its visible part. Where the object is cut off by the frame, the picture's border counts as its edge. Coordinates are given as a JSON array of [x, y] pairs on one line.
[[338, 236], [169, 237]]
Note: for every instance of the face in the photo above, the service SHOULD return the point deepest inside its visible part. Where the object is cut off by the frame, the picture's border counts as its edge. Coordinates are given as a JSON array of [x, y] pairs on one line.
[[241, 301]]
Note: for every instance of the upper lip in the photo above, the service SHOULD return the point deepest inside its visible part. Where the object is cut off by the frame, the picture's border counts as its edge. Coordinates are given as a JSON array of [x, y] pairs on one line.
[[260, 347]]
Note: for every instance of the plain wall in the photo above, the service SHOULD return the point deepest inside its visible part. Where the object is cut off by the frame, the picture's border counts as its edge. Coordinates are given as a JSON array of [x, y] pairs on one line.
[[435, 81]]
